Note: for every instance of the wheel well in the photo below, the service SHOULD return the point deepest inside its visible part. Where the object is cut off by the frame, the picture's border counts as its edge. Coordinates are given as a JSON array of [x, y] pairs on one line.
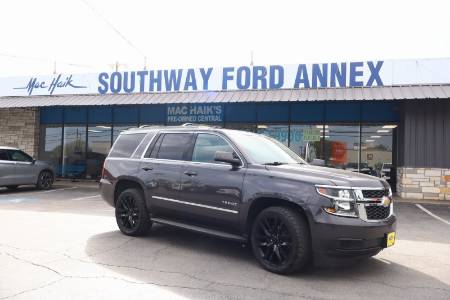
[[123, 185], [47, 170], [260, 204]]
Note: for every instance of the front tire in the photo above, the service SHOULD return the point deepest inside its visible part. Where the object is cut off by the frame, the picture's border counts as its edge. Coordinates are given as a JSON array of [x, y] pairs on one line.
[[45, 180], [281, 240], [131, 213]]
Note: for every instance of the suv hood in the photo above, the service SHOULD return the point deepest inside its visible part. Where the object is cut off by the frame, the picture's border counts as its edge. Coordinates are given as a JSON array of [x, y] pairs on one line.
[[328, 176]]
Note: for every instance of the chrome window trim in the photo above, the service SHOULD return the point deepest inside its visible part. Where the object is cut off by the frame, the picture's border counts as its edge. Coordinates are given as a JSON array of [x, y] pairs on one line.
[[190, 161], [146, 147], [122, 158], [8, 162], [196, 204]]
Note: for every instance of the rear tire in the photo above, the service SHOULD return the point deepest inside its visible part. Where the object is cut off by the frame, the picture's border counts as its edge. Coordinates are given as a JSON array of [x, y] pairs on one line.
[[281, 240], [12, 187], [45, 180], [131, 213]]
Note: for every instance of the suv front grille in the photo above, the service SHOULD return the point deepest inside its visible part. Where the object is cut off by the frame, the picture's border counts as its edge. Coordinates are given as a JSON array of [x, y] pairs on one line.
[[377, 212], [375, 193]]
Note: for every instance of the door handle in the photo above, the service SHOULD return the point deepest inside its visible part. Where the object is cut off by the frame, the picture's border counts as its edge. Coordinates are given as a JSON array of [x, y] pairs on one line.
[[147, 168], [190, 173]]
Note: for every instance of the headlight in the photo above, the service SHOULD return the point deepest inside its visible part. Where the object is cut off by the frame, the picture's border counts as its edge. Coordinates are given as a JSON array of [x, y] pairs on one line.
[[343, 201]]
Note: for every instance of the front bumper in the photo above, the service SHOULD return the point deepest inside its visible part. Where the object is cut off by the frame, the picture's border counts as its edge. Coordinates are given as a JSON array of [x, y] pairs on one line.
[[349, 237]]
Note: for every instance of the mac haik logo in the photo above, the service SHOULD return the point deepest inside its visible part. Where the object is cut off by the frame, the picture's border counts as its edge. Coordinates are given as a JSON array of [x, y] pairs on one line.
[[58, 82]]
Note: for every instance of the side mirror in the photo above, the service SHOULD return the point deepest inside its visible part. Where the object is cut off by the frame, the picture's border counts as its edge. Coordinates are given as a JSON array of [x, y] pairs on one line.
[[318, 162], [227, 157]]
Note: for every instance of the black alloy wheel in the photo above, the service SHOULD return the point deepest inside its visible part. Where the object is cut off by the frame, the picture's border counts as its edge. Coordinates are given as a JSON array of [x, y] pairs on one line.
[[131, 213], [280, 240], [45, 180]]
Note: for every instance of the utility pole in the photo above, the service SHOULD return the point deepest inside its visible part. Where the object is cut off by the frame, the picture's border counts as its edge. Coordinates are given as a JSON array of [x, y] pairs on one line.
[[117, 65], [251, 58], [54, 67]]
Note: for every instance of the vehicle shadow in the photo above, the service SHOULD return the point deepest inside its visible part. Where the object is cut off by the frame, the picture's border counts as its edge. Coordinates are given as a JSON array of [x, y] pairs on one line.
[[182, 262], [21, 189]]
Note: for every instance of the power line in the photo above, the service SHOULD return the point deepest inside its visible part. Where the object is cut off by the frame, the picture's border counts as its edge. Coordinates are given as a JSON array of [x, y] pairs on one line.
[[42, 59], [114, 28]]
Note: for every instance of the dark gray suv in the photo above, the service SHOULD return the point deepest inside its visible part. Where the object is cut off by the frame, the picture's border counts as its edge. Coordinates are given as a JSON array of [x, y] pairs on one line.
[[249, 188]]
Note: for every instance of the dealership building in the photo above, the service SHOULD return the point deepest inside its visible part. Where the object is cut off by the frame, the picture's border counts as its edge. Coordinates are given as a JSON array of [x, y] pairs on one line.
[[385, 118]]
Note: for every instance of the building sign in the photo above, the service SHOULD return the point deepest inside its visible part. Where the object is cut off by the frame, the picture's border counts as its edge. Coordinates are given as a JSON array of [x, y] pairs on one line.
[[58, 82], [194, 113], [311, 135], [316, 75]]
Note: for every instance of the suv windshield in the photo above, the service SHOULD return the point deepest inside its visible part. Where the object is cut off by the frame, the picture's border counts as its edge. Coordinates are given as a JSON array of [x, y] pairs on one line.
[[265, 150]]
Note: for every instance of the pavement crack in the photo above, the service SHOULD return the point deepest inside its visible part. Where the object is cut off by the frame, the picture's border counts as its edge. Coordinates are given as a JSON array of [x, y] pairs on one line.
[[32, 263], [193, 277], [34, 289]]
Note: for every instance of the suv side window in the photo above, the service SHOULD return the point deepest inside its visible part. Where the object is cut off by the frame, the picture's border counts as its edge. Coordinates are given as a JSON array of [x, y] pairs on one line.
[[4, 155], [174, 146], [206, 146], [17, 155], [126, 144]]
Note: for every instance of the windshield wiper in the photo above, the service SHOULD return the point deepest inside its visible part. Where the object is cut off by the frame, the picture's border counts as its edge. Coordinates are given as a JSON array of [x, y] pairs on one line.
[[275, 163]]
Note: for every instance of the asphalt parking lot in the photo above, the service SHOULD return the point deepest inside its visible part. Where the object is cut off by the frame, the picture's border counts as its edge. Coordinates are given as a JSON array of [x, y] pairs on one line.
[[64, 244]]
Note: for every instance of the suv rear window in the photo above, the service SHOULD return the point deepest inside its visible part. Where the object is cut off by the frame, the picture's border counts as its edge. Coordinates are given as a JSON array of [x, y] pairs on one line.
[[126, 144]]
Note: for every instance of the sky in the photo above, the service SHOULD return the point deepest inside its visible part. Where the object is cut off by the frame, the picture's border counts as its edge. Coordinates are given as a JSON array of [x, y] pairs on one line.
[[81, 35]]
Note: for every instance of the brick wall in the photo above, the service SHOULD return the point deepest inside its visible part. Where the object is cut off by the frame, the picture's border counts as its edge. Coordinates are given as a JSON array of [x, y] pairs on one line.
[[19, 127], [423, 183]]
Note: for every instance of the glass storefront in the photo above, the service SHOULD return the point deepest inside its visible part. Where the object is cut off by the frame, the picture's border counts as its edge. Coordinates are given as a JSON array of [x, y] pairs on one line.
[[353, 136], [307, 141], [99, 143], [117, 129], [276, 131], [50, 145], [376, 150], [74, 152], [341, 147], [241, 126]]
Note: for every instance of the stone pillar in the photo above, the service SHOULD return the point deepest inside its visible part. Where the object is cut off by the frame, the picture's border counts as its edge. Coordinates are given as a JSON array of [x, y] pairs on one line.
[[423, 183], [19, 127]]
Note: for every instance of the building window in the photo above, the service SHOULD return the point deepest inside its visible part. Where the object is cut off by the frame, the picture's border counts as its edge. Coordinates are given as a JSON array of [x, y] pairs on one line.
[[50, 146], [306, 141], [341, 146], [99, 143], [74, 152], [278, 132], [241, 126], [376, 150], [117, 129]]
